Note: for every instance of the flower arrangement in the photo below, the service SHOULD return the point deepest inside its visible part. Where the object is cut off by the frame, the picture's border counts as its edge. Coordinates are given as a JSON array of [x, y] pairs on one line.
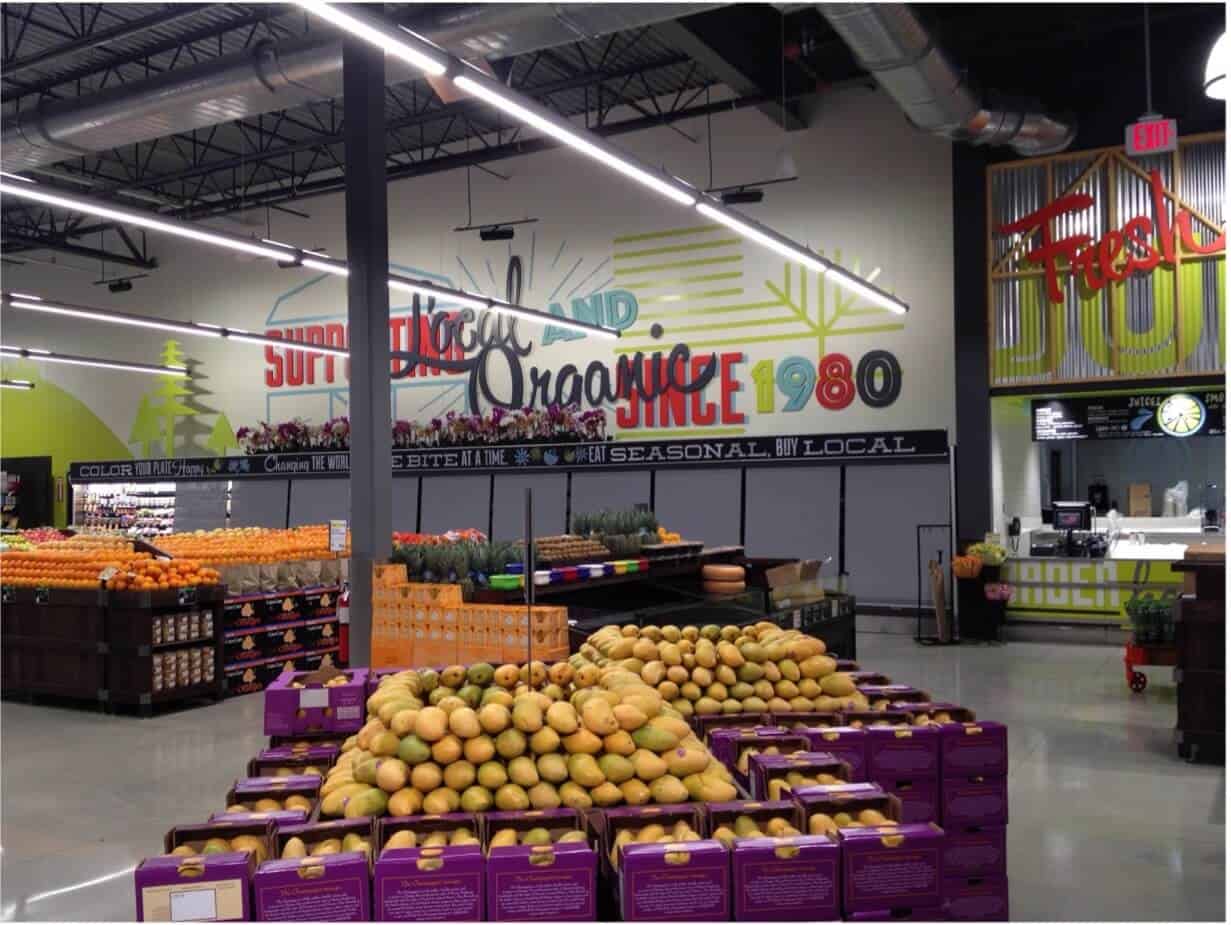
[[997, 591], [553, 424]]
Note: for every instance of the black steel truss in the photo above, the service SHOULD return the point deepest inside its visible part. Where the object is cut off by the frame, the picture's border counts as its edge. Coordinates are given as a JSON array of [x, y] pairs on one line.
[[619, 83]]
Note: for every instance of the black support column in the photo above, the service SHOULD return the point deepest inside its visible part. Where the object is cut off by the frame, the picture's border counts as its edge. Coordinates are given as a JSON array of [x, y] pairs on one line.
[[367, 292]]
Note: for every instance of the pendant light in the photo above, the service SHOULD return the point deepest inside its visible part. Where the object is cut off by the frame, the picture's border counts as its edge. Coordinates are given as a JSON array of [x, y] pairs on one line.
[[1216, 70]]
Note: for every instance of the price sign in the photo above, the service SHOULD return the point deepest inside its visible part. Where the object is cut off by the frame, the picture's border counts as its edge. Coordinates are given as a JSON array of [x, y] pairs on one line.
[[337, 535]]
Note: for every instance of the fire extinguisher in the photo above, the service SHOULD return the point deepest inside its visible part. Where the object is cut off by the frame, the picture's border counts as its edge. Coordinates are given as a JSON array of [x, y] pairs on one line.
[[344, 626]]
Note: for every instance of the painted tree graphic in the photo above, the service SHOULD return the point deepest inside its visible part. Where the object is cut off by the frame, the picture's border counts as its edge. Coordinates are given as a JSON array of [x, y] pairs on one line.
[[170, 392], [145, 430], [222, 437]]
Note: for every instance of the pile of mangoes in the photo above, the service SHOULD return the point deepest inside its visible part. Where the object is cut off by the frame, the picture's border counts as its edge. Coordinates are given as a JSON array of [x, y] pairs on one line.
[[824, 824], [747, 827], [653, 833], [296, 847], [726, 669], [271, 805], [480, 738]]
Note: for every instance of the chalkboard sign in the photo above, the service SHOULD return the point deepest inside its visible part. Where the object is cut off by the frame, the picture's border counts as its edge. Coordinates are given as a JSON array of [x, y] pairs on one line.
[[1201, 412]]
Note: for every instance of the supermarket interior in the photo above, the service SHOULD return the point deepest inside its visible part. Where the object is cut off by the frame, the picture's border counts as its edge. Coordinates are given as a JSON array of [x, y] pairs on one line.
[[612, 462]]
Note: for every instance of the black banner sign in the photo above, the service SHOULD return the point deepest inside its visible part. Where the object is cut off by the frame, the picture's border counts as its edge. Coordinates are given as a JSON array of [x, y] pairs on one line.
[[729, 452], [1201, 412]]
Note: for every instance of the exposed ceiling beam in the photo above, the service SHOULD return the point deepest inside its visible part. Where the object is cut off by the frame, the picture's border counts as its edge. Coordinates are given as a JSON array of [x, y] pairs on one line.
[[722, 49], [16, 242]]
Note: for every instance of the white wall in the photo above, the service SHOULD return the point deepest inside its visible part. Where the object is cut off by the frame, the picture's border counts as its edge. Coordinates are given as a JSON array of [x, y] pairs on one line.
[[870, 187], [1017, 478]]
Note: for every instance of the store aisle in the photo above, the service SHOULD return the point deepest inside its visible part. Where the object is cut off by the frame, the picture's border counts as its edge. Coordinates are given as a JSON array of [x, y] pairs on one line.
[[1106, 822]]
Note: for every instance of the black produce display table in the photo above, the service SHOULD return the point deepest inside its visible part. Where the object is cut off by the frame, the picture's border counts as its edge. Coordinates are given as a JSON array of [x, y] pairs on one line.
[[1200, 673], [978, 618]]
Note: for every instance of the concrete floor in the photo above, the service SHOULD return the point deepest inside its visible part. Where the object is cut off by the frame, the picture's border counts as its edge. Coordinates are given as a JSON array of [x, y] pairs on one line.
[[1106, 822]]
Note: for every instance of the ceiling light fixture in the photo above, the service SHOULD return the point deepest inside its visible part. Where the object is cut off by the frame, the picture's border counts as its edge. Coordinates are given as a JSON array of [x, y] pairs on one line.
[[289, 256], [191, 328], [24, 384], [473, 81], [391, 39], [1216, 69], [15, 176], [46, 356], [498, 233]]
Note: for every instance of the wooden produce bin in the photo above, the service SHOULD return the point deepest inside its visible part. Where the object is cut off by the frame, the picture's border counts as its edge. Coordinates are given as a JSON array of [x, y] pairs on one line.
[[164, 646], [1200, 673], [52, 641]]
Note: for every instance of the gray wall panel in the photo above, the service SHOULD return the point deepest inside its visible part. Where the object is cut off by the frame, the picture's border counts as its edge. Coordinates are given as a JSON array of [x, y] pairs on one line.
[[405, 503], [508, 506], [258, 503], [454, 502], [699, 504], [318, 501], [593, 491], [793, 512], [883, 505]]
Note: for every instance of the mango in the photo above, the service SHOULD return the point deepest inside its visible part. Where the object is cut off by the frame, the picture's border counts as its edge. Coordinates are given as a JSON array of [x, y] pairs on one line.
[[372, 802], [668, 789], [413, 750], [536, 836], [506, 676], [426, 777], [543, 796], [562, 718], [647, 765], [510, 743], [527, 716], [479, 749], [406, 802], [573, 835], [545, 741], [403, 722], [335, 803], [403, 838], [431, 724], [684, 761], [505, 838], [464, 723], [575, 796], [294, 848], [251, 844], [512, 797], [616, 768], [583, 741], [476, 799], [459, 775], [584, 770], [655, 739], [328, 846], [838, 684], [523, 771], [606, 794], [598, 717], [492, 775], [872, 817], [392, 775], [441, 800], [439, 839], [707, 706], [552, 768]]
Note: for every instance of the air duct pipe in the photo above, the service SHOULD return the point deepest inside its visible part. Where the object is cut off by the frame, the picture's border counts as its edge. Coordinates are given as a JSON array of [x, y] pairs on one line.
[[898, 51], [271, 77]]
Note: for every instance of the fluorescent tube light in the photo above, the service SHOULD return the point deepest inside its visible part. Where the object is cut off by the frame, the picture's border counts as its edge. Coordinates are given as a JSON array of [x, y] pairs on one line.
[[191, 328], [15, 176], [754, 231], [392, 40], [37, 193], [540, 118], [23, 384], [852, 282], [46, 356], [871, 277]]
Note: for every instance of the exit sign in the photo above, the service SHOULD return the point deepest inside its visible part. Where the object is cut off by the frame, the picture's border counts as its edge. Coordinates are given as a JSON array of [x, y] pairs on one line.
[[1151, 136]]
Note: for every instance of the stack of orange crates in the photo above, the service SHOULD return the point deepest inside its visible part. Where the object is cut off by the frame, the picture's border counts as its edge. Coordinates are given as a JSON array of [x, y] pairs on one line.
[[427, 625]]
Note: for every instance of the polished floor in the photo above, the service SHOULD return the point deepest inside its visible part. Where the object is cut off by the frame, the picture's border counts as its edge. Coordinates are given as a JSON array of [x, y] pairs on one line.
[[1106, 822]]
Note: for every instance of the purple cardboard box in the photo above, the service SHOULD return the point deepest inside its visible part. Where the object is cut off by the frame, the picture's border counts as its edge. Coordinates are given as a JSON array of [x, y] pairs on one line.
[[862, 719], [289, 762], [846, 743], [248, 791], [869, 677], [426, 884], [900, 868], [797, 722], [707, 724], [920, 796], [977, 899], [903, 752], [887, 694], [329, 888], [429, 884], [555, 882], [766, 770], [980, 851], [280, 819], [675, 882], [974, 801], [974, 748], [921, 914], [851, 799], [195, 836], [793, 879], [292, 711], [605, 824], [200, 888], [739, 751]]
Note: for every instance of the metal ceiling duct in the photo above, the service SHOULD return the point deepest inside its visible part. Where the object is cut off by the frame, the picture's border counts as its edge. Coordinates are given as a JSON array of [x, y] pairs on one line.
[[890, 42], [271, 77]]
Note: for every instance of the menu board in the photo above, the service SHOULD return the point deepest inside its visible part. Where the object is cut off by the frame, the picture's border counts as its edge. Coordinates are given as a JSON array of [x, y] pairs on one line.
[[1200, 412]]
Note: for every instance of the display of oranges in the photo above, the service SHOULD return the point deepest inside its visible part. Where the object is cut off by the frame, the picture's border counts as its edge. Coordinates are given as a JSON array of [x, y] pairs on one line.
[[251, 545]]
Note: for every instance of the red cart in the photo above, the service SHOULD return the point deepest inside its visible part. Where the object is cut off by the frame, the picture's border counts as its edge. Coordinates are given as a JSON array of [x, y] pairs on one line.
[[1134, 654]]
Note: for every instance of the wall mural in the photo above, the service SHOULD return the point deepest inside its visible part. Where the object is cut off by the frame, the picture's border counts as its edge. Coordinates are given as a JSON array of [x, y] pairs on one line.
[[688, 310]]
